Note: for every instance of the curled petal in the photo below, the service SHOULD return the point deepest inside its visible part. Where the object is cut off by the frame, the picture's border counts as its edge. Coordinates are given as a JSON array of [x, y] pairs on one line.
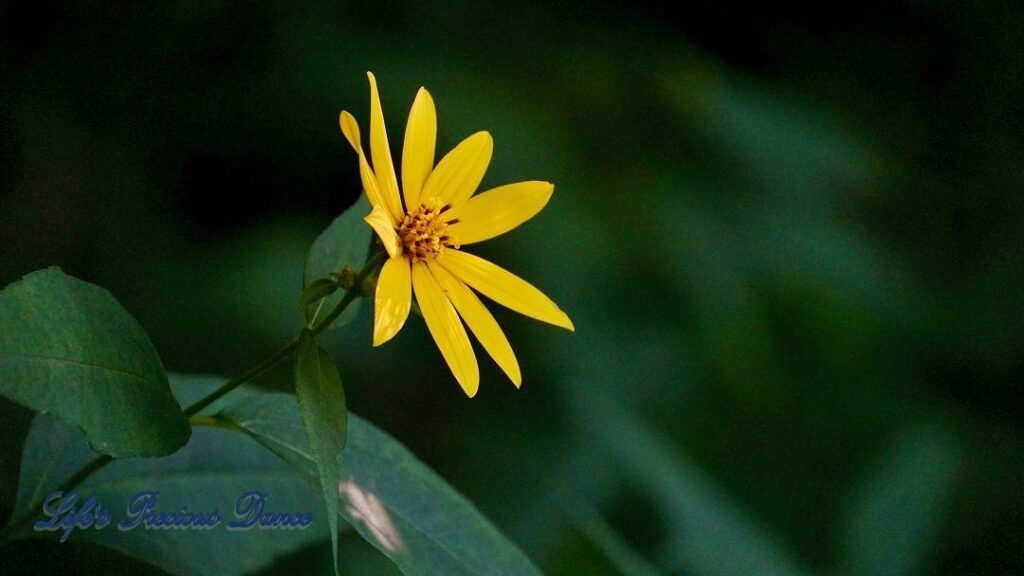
[[380, 221], [350, 128]]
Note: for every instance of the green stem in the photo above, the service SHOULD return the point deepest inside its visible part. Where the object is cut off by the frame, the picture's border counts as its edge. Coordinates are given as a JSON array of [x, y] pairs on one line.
[[253, 372], [351, 294], [19, 521], [214, 422], [374, 262], [263, 367]]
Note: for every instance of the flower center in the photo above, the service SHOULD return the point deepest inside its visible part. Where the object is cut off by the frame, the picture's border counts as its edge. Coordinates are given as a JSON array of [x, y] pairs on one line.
[[423, 230]]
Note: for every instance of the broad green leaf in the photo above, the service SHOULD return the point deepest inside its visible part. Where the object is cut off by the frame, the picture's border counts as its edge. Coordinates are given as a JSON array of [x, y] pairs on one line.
[[896, 513], [392, 499], [209, 473], [325, 418], [67, 348], [707, 534], [345, 242]]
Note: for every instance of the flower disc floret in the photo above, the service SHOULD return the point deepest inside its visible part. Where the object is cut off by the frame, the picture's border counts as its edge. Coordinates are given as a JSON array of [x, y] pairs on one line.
[[424, 231]]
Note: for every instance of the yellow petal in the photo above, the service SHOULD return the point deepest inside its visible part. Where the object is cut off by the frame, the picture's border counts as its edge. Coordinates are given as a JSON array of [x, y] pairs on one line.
[[480, 322], [446, 328], [459, 173], [497, 211], [380, 221], [350, 128], [370, 186], [418, 153], [503, 287], [392, 300], [381, 152]]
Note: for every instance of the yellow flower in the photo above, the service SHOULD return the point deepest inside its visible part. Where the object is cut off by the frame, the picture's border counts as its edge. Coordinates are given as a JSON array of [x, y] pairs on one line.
[[423, 228]]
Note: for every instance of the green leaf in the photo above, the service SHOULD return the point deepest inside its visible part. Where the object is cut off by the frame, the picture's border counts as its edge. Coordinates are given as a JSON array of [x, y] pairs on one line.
[[706, 532], [345, 242], [67, 348], [896, 513], [325, 418], [317, 290], [209, 473], [392, 499]]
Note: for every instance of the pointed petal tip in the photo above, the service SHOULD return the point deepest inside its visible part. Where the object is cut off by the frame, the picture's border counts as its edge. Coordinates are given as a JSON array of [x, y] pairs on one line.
[[561, 320], [458, 174], [568, 325], [446, 328], [469, 380], [350, 128], [513, 372], [489, 143], [373, 81], [381, 337], [482, 135], [494, 212]]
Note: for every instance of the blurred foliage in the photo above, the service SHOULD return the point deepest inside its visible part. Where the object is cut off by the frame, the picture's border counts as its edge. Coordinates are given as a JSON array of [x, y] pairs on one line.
[[791, 243]]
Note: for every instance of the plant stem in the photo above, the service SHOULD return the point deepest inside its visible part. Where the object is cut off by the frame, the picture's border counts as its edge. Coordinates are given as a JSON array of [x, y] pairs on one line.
[[17, 522], [253, 372], [263, 367], [257, 370], [351, 294], [214, 422]]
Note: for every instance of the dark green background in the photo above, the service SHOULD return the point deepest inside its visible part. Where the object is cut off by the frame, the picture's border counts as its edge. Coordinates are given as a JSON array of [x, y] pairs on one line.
[[791, 242]]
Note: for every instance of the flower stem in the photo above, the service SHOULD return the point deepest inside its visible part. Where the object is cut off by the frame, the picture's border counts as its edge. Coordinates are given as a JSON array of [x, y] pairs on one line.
[[257, 370], [263, 367], [352, 293]]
